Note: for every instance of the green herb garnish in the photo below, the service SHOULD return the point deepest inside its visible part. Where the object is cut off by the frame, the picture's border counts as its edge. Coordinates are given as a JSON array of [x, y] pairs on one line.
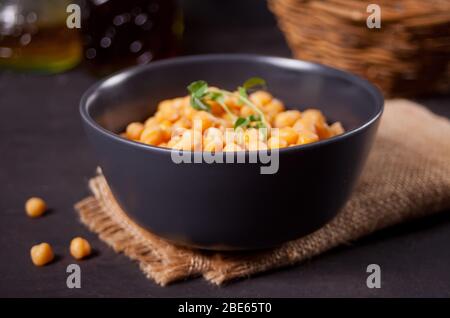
[[254, 118], [200, 94], [198, 91], [198, 88], [241, 122], [254, 82]]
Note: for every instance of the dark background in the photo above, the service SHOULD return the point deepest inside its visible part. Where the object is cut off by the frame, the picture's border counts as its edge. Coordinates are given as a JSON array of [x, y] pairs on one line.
[[44, 153]]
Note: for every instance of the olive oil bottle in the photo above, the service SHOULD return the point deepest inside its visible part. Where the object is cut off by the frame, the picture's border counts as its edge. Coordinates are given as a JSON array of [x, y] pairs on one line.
[[34, 36]]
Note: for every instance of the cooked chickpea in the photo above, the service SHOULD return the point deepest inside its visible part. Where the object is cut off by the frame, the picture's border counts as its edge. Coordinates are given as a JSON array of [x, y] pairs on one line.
[[260, 98], [288, 134], [152, 136], [313, 120], [323, 130], [178, 131], [41, 254], [189, 112], [337, 128], [174, 125], [306, 138], [250, 136], [233, 102], [204, 118], [300, 125], [151, 122], [253, 139], [287, 118], [216, 109], [222, 124], [232, 147], [80, 248], [275, 142], [168, 111], [227, 117], [240, 138], [189, 141], [35, 207], [257, 145], [273, 107], [213, 134], [246, 111], [180, 102], [230, 136], [166, 129], [164, 104], [213, 140], [174, 142], [182, 123], [134, 130], [313, 114]]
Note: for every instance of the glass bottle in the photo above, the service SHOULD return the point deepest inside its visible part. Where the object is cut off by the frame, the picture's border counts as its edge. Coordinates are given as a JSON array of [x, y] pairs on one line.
[[34, 36], [120, 33]]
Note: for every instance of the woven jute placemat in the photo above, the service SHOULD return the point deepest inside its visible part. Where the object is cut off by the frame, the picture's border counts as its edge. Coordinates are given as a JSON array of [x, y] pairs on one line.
[[407, 176]]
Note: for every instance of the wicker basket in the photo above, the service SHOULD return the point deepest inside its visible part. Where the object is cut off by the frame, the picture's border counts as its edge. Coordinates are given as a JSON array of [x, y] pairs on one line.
[[408, 55]]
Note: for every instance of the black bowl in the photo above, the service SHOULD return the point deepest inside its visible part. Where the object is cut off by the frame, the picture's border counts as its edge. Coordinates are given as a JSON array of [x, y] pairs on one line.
[[232, 206]]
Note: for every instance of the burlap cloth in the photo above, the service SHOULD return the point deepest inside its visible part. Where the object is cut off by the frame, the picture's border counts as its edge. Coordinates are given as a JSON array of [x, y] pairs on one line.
[[407, 176]]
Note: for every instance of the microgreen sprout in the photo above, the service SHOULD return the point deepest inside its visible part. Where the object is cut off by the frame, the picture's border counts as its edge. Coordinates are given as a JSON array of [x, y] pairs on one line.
[[198, 92], [201, 94]]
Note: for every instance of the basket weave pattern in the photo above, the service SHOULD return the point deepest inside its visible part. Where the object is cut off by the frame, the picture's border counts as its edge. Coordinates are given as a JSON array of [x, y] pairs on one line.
[[408, 55]]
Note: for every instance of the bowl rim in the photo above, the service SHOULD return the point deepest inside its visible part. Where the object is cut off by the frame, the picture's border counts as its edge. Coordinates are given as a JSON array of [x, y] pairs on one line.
[[294, 64]]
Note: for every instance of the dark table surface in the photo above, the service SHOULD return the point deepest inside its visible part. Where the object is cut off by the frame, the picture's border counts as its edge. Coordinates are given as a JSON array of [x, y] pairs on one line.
[[43, 152]]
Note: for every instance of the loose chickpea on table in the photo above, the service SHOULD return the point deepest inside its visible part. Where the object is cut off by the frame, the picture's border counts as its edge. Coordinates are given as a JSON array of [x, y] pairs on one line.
[[80, 248], [41, 254], [229, 121], [35, 207]]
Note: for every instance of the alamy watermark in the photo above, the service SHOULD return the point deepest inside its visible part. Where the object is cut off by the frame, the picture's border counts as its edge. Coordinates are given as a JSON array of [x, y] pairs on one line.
[[374, 19], [73, 20], [374, 279], [74, 278], [190, 147]]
